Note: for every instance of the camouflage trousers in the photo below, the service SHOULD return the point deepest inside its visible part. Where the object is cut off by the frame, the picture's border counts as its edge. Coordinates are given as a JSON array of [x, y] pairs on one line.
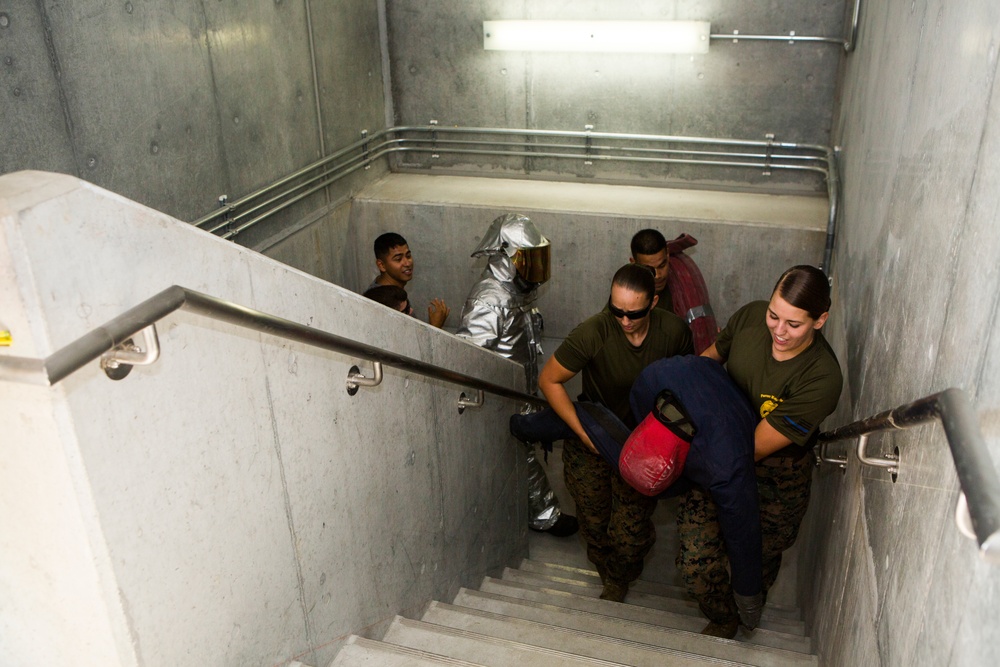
[[615, 519], [783, 487]]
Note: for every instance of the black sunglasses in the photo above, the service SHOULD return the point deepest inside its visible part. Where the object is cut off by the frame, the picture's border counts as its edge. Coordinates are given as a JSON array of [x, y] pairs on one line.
[[631, 314]]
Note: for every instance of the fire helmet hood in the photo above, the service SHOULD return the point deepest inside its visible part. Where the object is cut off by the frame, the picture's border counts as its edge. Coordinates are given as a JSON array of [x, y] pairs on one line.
[[654, 454], [516, 247]]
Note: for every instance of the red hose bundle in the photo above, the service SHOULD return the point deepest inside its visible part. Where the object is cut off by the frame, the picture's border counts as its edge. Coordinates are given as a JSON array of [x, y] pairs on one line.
[[689, 294]]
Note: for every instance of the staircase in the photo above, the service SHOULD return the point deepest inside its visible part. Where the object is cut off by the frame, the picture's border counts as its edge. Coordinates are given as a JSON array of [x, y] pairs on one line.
[[550, 614]]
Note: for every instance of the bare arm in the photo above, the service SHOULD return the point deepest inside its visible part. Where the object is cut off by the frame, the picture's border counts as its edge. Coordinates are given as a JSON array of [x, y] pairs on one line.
[[713, 353], [552, 382], [767, 440]]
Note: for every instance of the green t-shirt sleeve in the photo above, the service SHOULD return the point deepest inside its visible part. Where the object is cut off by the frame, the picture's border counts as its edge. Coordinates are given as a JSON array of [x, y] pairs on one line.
[[811, 401], [581, 345]]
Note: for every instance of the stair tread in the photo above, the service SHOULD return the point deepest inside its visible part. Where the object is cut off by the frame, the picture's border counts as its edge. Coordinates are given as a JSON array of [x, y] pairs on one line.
[[636, 599], [580, 642], [480, 648], [562, 572], [361, 652], [641, 622]]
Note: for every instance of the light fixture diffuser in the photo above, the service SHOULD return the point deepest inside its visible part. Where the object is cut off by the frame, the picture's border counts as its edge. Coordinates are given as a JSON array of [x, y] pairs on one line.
[[598, 36]]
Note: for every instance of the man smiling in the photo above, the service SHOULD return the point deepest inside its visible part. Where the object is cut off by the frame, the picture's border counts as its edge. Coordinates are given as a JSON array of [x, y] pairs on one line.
[[395, 267]]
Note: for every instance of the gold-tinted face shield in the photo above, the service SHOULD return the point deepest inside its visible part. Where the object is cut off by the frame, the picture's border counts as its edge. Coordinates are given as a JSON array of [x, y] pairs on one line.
[[533, 264]]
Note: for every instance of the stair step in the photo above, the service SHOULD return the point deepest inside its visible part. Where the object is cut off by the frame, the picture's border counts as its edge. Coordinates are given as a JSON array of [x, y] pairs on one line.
[[642, 624], [566, 572], [593, 589], [640, 585], [361, 652], [480, 648], [636, 600], [590, 576], [535, 565], [590, 644]]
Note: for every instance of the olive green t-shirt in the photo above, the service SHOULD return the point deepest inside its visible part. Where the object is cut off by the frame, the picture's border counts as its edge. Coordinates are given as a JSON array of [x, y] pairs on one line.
[[666, 301], [793, 395], [610, 364]]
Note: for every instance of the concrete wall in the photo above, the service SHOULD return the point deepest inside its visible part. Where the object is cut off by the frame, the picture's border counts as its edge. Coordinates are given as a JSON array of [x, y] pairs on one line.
[[440, 71], [231, 504], [892, 580], [173, 103], [444, 217]]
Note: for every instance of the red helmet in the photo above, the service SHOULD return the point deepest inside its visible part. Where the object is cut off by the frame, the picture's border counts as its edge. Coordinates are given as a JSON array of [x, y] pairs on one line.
[[654, 454]]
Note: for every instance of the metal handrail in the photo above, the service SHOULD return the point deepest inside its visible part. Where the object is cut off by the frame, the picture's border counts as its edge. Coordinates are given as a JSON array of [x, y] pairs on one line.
[[238, 216], [849, 43], [89, 347], [976, 474]]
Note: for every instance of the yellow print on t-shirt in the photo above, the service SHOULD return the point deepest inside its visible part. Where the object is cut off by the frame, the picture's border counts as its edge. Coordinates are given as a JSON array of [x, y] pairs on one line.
[[769, 404]]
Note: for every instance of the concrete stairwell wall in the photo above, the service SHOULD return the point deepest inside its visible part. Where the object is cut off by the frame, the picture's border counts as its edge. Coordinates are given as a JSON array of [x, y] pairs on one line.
[[917, 290], [231, 504]]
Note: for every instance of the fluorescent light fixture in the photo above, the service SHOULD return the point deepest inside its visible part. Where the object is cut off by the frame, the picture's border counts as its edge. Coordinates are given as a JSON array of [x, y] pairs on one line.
[[598, 36]]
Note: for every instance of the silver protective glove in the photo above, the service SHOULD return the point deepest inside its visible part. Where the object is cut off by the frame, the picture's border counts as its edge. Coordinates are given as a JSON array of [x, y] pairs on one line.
[[750, 608]]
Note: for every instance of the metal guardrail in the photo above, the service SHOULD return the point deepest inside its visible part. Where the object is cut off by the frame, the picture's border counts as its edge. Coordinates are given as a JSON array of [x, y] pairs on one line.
[[586, 147], [978, 512], [849, 43], [111, 343]]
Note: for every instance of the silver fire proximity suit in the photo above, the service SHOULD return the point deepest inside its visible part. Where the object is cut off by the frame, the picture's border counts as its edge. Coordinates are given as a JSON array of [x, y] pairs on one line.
[[499, 315]]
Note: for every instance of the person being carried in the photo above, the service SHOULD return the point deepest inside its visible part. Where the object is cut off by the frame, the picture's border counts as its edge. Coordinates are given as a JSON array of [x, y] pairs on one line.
[[649, 249], [695, 428], [500, 315], [611, 348], [395, 267]]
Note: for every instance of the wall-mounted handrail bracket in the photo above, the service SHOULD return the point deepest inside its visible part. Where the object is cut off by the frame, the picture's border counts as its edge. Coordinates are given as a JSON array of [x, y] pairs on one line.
[[822, 457], [118, 362], [356, 380], [466, 402], [889, 462], [978, 510]]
